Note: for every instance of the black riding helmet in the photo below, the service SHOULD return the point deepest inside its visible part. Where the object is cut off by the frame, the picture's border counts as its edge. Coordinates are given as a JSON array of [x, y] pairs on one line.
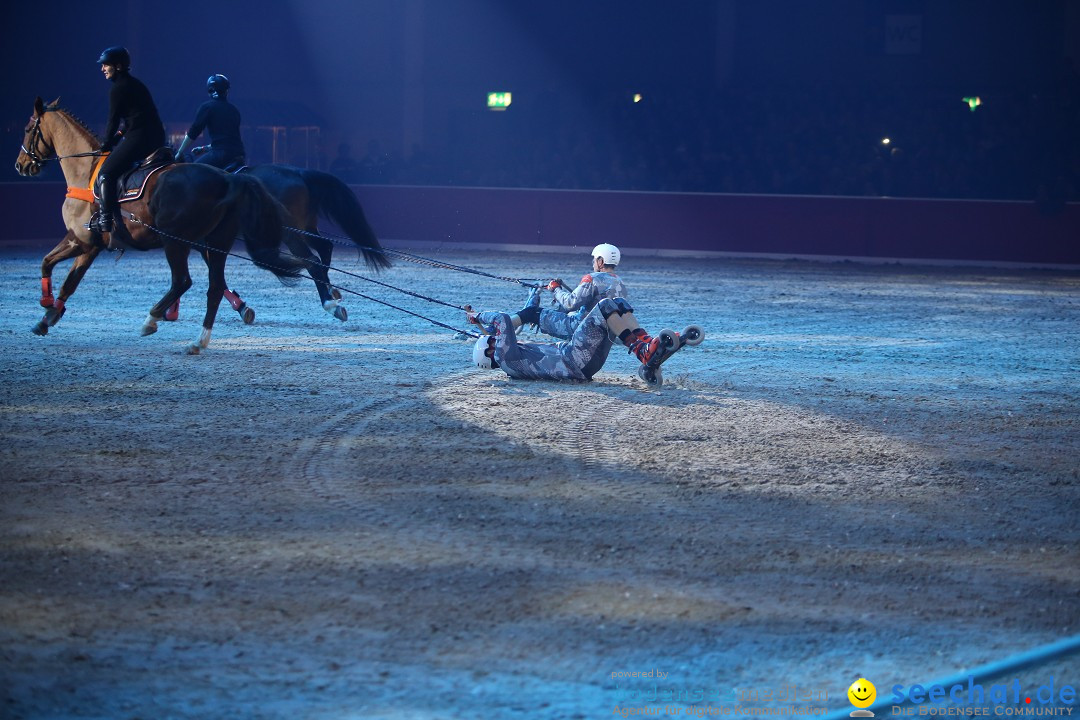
[[117, 56], [217, 86]]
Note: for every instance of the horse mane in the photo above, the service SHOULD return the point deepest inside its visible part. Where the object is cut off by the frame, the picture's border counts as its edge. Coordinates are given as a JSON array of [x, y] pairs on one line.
[[79, 124]]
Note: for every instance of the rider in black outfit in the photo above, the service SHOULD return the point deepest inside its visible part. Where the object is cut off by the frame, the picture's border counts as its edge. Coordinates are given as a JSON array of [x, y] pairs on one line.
[[130, 103], [222, 121]]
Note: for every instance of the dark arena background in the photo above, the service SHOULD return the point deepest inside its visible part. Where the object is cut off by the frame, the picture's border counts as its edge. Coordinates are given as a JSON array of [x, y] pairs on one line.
[[866, 476]]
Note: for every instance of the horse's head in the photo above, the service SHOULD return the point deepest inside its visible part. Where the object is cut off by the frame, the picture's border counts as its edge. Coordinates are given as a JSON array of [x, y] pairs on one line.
[[37, 146]]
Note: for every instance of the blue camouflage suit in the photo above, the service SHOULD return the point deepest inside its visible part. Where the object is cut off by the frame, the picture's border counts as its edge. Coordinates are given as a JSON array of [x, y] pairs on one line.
[[594, 287], [578, 358]]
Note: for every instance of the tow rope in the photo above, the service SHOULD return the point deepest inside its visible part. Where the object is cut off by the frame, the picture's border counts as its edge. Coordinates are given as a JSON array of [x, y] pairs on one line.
[[418, 259], [199, 246]]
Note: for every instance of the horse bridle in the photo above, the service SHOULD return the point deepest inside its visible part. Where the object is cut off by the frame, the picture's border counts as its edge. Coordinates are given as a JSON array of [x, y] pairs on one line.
[[37, 139]]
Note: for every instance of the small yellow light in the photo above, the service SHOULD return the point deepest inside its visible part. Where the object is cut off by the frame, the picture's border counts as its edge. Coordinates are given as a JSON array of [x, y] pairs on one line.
[[637, 97], [885, 141]]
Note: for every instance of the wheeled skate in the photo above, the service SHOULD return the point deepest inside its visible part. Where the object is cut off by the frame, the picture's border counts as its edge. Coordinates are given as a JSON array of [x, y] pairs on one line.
[[670, 342]]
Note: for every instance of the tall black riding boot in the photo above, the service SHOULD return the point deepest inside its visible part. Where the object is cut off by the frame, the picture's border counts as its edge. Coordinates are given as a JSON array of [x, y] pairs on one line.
[[102, 220], [107, 220]]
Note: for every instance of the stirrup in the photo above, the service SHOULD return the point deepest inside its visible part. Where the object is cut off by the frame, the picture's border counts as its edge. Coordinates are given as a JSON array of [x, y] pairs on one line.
[[101, 222]]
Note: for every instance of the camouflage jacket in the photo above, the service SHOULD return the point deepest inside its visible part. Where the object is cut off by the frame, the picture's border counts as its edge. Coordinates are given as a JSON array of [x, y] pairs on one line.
[[594, 287]]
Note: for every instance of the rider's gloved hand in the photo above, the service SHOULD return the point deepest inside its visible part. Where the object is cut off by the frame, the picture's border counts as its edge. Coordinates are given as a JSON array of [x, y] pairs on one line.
[[554, 284]]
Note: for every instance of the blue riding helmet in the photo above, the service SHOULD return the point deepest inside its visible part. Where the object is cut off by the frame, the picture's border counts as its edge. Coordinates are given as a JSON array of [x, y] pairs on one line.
[[217, 85], [115, 55]]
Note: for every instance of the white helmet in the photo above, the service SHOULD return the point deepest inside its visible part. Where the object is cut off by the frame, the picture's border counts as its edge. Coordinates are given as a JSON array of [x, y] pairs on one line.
[[479, 352], [609, 252]]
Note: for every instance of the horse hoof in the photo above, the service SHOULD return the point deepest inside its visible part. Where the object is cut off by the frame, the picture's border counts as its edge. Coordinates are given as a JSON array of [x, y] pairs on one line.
[[248, 315], [340, 313], [148, 330], [193, 349], [41, 328]]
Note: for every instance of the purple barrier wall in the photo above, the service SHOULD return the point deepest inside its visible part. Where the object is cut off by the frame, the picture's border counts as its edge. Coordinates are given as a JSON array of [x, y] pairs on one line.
[[783, 225]]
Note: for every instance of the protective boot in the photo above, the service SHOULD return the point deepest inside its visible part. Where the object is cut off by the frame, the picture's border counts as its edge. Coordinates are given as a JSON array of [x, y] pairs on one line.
[[173, 313], [641, 345]]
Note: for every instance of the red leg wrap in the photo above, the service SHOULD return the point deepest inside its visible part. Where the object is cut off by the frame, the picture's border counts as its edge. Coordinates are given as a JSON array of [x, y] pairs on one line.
[[173, 312], [233, 299], [58, 306], [46, 292]]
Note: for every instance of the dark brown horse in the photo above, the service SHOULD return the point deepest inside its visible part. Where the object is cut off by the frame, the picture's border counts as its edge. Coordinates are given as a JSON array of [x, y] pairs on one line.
[[184, 206], [307, 195]]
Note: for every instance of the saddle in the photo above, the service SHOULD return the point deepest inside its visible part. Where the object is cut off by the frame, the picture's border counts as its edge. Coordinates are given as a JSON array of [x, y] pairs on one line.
[[132, 184]]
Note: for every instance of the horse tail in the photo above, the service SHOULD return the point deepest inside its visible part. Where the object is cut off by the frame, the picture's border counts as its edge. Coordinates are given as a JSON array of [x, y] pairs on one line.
[[261, 222], [336, 201]]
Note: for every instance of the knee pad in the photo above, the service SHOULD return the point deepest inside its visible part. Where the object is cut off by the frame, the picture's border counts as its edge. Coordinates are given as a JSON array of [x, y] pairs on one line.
[[618, 306], [529, 315]]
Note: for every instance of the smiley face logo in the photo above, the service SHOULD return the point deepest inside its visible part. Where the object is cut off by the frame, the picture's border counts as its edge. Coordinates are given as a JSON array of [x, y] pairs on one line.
[[862, 693]]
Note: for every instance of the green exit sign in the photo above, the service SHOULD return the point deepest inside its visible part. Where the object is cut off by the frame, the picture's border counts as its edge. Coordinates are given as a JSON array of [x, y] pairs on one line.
[[498, 100]]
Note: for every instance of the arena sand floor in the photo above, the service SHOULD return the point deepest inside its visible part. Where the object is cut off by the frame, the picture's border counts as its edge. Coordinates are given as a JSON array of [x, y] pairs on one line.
[[864, 471]]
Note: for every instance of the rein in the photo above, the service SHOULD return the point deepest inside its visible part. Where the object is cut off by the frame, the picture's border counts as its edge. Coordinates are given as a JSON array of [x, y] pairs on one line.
[[31, 146], [37, 139]]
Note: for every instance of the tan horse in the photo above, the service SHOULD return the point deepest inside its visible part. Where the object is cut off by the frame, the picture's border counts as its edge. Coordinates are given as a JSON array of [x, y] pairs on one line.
[[184, 206]]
